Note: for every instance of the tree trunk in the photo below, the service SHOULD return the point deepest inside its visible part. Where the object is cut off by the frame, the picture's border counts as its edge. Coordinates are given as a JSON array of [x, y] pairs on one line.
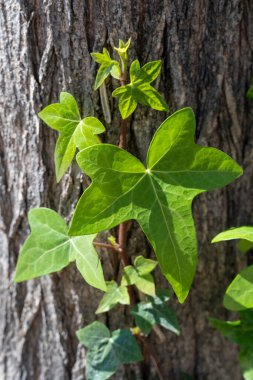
[[207, 52]]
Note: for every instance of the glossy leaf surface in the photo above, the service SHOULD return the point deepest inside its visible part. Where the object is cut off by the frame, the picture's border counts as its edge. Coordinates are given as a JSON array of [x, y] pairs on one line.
[[65, 118], [114, 294], [106, 351], [159, 197], [155, 311], [48, 249], [139, 89]]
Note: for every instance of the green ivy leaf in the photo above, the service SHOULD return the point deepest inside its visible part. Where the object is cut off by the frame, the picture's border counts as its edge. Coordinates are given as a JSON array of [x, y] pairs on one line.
[[155, 311], [48, 249], [107, 352], [159, 197], [114, 294], [240, 332], [139, 275], [65, 118], [139, 89], [108, 66], [239, 294]]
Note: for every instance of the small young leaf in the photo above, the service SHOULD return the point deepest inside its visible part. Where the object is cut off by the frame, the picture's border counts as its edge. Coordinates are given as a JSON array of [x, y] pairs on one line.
[[108, 66], [239, 294], [140, 276], [140, 90], [158, 197], [114, 294], [122, 49], [107, 352], [74, 132], [155, 311], [48, 249]]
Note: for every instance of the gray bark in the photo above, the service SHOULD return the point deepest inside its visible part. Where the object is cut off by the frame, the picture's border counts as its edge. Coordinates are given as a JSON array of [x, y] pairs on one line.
[[207, 50]]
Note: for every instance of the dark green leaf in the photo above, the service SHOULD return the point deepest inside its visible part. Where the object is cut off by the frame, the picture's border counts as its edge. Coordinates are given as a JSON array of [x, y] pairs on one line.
[[107, 352], [159, 197], [48, 249], [155, 311]]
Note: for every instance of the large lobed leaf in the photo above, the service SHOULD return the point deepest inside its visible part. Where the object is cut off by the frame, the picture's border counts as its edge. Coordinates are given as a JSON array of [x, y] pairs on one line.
[[239, 294], [65, 118], [49, 249], [139, 89], [106, 351], [159, 197]]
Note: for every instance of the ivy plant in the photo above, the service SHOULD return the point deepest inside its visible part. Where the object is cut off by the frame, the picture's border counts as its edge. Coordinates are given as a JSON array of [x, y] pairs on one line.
[[158, 194], [239, 297]]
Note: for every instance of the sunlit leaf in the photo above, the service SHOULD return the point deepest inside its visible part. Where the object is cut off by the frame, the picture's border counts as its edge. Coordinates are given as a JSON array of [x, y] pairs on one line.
[[139, 89], [65, 118], [159, 197], [107, 66], [48, 249]]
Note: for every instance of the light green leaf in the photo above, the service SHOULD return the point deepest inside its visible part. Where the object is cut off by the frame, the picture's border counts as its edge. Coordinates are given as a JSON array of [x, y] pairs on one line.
[[107, 352], [245, 233], [143, 265], [48, 249], [159, 197], [139, 89], [114, 294], [86, 132], [74, 132], [140, 276], [108, 66], [155, 311], [246, 362], [239, 294], [123, 48]]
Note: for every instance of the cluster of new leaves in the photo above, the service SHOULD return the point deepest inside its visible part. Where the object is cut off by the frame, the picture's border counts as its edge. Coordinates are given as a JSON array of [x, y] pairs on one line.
[[49, 249], [74, 132], [106, 351], [109, 66], [158, 196], [240, 332]]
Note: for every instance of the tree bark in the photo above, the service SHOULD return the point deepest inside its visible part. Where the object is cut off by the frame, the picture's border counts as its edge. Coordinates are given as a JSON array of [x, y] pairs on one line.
[[207, 52]]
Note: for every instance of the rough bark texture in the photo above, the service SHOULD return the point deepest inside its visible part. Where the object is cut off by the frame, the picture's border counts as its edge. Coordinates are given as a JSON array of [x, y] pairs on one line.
[[207, 49]]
